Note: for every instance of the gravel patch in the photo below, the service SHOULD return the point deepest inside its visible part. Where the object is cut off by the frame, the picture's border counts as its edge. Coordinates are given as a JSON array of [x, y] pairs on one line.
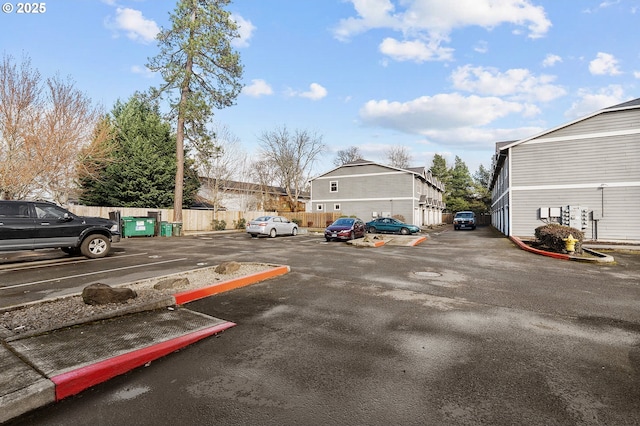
[[71, 310]]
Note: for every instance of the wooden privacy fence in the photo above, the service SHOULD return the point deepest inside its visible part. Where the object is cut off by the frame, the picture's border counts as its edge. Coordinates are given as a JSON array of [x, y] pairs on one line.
[[203, 220]]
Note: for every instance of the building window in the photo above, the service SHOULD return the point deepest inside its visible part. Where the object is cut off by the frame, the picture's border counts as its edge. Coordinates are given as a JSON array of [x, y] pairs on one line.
[[336, 207], [319, 207], [333, 186]]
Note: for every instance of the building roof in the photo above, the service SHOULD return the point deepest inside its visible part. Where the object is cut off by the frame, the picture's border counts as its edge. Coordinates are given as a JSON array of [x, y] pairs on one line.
[[419, 171], [633, 104], [502, 147]]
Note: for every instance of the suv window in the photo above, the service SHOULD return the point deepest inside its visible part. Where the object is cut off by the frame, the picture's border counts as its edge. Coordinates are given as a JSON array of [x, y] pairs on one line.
[[45, 211], [20, 210]]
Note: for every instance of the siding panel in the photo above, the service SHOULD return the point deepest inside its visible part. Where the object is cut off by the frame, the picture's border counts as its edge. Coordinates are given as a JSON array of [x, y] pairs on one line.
[[597, 160], [605, 122], [616, 202]]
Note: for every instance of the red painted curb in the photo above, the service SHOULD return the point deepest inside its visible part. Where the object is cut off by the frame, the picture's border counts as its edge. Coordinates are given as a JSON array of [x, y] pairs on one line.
[[191, 295], [419, 240], [523, 246], [76, 381]]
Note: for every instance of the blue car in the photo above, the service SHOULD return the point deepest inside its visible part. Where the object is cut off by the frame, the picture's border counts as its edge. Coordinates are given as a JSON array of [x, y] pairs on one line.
[[391, 225]]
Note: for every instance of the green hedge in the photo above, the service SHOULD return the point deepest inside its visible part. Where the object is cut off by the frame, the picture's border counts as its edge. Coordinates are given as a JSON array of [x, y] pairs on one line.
[[552, 236]]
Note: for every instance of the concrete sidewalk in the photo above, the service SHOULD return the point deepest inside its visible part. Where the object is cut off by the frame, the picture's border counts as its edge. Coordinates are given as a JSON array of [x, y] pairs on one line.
[[42, 369]]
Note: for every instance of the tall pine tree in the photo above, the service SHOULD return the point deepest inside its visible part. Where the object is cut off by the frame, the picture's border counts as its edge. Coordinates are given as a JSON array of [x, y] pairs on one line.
[[201, 71]]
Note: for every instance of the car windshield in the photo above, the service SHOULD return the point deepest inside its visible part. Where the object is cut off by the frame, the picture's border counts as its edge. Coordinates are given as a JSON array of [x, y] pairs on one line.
[[465, 214], [263, 219], [343, 222]]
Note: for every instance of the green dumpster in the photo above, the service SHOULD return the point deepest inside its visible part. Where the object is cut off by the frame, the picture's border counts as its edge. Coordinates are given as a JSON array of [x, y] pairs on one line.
[[138, 226], [166, 229], [177, 229]]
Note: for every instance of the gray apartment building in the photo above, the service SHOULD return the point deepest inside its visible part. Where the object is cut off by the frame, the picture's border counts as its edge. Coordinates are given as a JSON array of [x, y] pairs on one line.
[[585, 174], [368, 190]]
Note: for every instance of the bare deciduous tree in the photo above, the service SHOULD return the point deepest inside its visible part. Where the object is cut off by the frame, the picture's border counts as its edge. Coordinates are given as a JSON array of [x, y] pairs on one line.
[[264, 175], [398, 156], [44, 127], [292, 157], [219, 160], [348, 155]]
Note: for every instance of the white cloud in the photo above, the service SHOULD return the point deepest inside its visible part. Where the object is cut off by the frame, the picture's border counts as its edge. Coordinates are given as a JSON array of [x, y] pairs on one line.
[[415, 50], [604, 64], [550, 60], [636, 74], [257, 88], [143, 71], [134, 24], [315, 92], [440, 112], [516, 83], [245, 30], [481, 46], [589, 102], [430, 22]]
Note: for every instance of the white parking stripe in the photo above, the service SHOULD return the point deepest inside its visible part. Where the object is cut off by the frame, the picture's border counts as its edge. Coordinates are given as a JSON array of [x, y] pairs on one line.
[[92, 273]]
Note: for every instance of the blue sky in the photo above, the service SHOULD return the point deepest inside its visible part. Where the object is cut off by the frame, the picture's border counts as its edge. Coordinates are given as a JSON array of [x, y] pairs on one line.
[[434, 76]]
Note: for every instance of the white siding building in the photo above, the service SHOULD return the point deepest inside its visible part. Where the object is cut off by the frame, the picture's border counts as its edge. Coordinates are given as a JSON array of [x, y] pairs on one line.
[[585, 173]]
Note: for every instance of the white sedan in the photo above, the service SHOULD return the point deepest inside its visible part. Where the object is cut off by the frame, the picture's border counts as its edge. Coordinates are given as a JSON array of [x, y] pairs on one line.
[[271, 226]]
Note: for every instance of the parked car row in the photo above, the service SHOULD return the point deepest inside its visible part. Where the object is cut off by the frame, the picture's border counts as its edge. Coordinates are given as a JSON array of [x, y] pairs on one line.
[[344, 228]]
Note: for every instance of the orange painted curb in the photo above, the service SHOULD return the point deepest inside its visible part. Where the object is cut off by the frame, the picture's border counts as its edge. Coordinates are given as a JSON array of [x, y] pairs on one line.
[[191, 295], [419, 240], [74, 382]]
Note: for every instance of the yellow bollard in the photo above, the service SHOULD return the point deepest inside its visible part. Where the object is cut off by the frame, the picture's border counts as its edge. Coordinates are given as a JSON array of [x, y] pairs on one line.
[[570, 243]]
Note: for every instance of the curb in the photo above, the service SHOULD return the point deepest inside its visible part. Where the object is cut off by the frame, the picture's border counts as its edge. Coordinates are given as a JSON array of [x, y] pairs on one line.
[[75, 381], [419, 241], [191, 295], [600, 257], [47, 390]]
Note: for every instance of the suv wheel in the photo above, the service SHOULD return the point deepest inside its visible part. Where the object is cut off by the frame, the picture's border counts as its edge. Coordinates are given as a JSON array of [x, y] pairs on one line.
[[95, 246]]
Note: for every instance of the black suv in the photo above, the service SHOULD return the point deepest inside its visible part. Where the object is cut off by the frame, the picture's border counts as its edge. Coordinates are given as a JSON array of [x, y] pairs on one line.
[[29, 225]]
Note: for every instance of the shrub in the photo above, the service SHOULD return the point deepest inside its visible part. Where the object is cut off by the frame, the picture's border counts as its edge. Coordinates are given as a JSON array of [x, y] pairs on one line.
[[240, 223], [296, 221], [219, 225], [552, 236], [399, 217]]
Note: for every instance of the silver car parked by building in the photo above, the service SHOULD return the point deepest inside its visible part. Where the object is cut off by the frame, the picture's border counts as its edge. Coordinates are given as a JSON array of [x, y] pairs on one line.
[[272, 226]]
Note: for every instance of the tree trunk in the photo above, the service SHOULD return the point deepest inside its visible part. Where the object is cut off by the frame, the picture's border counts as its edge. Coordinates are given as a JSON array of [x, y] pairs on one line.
[[184, 93]]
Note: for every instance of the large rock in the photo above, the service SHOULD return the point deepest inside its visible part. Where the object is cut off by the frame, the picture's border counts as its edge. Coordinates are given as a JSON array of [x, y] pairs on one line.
[[227, 267], [171, 283], [102, 294]]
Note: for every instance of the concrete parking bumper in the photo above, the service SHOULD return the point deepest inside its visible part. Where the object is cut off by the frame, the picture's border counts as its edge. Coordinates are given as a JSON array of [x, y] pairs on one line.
[[42, 369]]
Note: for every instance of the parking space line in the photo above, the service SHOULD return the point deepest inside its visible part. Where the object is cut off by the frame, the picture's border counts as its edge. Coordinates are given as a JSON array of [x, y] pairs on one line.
[[92, 273], [35, 264]]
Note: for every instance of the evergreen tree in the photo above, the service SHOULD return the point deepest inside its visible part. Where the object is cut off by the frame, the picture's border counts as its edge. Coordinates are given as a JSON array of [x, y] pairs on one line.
[[439, 168], [459, 190], [481, 197], [141, 170]]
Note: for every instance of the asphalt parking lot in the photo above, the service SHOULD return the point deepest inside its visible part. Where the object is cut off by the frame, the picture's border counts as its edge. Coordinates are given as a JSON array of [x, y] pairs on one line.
[[463, 328]]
